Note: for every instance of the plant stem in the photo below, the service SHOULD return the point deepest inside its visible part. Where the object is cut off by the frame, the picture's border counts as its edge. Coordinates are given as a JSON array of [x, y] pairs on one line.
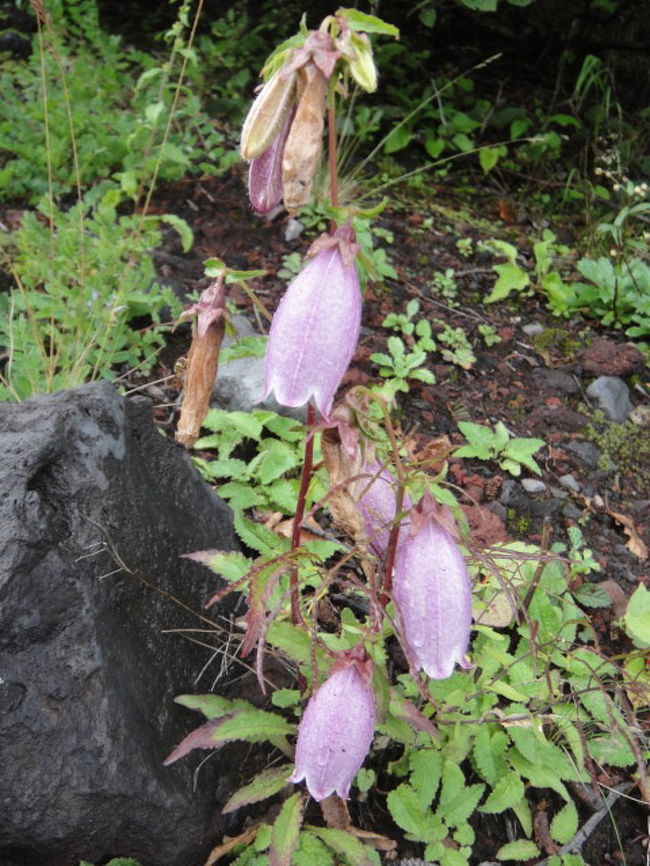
[[331, 147], [296, 616]]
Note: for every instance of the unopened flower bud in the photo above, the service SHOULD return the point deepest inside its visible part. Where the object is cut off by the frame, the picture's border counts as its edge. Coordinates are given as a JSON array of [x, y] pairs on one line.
[[265, 172], [267, 114], [357, 49]]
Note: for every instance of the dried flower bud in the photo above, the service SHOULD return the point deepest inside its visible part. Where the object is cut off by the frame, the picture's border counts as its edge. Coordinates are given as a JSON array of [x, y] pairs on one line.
[[432, 593], [302, 151], [267, 114], [202, 361], [336, 729]]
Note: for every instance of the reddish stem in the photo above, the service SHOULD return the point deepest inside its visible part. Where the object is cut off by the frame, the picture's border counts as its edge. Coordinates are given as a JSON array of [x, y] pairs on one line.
[[387, 584], [296, 616]]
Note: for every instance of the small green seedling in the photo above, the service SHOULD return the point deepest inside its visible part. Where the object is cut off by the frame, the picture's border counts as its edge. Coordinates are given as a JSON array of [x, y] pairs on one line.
[[401, 364], [510, 453]]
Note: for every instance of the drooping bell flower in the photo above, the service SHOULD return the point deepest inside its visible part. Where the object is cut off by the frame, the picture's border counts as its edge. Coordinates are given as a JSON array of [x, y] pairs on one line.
[[336, 729], [432, 592], [316, 326], [265, 172]]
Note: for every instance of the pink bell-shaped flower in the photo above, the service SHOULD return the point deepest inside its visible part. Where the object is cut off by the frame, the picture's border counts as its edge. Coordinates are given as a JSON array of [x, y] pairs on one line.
[[316, 327], [432, 593], [336, 729]]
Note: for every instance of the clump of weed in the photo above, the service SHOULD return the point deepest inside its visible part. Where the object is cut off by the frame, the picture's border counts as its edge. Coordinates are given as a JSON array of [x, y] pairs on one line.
[[557, 345], [624, 446]]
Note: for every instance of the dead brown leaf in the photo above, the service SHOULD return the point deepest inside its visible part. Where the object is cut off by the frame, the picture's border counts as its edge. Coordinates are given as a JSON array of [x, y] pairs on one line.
[[227, 846], [434, 453], [335, 812], [379, 842], [635, 543]]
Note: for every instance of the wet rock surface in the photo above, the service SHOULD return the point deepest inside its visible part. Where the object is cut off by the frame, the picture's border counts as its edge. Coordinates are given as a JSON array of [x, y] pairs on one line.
[[96, 509]]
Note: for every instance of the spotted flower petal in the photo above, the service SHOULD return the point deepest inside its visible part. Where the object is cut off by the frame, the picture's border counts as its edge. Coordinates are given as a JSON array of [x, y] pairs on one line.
[[335, 733], [314, 333], [432, 594]]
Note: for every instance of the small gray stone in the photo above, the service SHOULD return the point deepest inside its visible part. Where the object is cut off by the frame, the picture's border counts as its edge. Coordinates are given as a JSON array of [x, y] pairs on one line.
[[509, 492], [612, 395], [571, 512], [555, 381], [533, 485], [293, 229], [569, 483], [240, 383], [533, 329], [558, 493], [586, 451], [498, 509]]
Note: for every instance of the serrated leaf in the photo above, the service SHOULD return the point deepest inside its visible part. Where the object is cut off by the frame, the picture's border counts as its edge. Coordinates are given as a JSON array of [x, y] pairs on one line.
[[253, 346], [212, 706], [264, 785], [311, 851], [511, 278], [457, 809], [248, 724], [426, 771], [240, 496], [404, 807], [296, 643], [592, 595], [637, 617], [611, 748], [244, 423], [488, 754], [506, 690], [505, 794], [258, 537], [227, 468], [286, 828], [565, 823], [180, 225], [488, 158], [398, 139], [541, 777], [362, 21], [277, 458], [524, 815], [481, 441], [520, 849], [344, 844], [230, 565]]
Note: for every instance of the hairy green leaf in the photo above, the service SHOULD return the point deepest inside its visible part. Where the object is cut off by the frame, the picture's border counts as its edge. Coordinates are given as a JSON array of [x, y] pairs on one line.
[[285, 832], [344, 844], [505, 794], [520, 850], [565, 823], [264, 785]]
